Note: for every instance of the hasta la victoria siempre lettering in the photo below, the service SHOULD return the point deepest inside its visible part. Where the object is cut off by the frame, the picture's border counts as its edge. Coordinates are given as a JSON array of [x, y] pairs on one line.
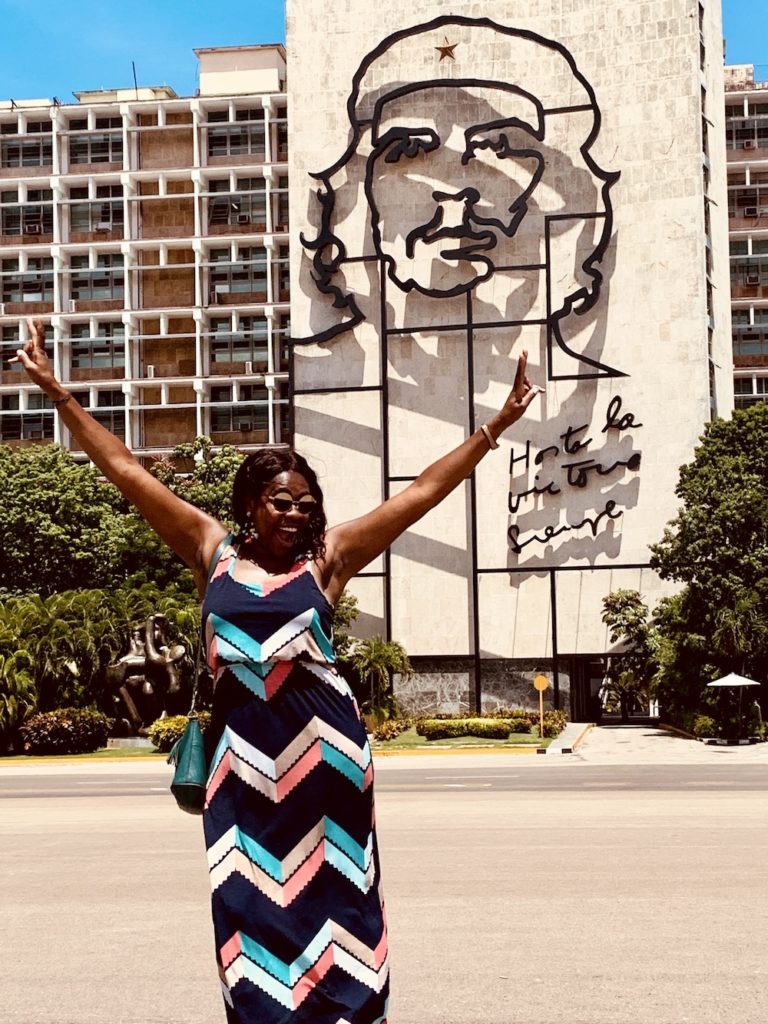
[[576, 474]]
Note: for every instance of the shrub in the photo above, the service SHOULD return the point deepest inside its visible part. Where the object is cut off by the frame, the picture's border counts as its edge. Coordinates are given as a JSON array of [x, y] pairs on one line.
[[703, 725], [443, 729], [66, 731], [390, 728], [166, 731], [554, 723]]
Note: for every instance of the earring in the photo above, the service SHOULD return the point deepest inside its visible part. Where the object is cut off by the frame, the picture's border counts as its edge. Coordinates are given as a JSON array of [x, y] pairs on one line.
[[249, 532]]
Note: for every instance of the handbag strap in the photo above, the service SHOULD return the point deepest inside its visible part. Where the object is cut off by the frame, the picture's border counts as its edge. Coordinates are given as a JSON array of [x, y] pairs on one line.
[[225, 540]]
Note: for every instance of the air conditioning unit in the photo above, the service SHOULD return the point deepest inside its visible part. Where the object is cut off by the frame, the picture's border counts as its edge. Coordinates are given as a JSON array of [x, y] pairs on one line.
[[245, 426], [104, 225], [750, 144], [753, 279], [243, 218], [150, 371], [73, 305], [750, 211], [248, 366], [33, 229]]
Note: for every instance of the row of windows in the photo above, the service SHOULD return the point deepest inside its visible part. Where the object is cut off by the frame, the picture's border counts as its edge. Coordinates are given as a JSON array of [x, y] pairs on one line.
[[248, 414], [739, 247], [753, 109], [106, 280], [105, 212], [749, 390], [106, 349], [245, 136]]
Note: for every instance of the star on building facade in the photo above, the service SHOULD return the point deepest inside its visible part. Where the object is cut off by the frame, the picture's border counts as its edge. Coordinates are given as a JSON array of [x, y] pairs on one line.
[[446, 50]]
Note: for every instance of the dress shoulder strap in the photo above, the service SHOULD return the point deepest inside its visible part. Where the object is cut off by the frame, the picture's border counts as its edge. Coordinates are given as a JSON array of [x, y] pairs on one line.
[[225, 541]]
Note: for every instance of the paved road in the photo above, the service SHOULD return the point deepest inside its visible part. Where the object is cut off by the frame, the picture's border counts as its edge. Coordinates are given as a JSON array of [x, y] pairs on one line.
[[520, 890], [414, 775]]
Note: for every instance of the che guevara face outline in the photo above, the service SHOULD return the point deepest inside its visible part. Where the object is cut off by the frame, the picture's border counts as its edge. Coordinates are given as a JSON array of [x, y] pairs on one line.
[[467, 186]]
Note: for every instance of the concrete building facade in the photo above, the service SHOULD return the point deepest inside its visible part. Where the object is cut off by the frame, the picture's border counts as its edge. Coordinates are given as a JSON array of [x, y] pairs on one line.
[[746, 124], [467, 186], [150, 233]]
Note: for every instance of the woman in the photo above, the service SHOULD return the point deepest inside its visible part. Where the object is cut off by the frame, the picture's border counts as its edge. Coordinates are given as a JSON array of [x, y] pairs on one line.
[[289, 824]]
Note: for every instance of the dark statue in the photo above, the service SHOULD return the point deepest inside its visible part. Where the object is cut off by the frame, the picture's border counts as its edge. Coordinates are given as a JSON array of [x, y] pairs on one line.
[[145, 682]]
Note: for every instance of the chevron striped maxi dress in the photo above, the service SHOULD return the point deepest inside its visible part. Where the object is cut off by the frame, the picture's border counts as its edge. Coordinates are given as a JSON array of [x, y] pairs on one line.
[[289, 819]]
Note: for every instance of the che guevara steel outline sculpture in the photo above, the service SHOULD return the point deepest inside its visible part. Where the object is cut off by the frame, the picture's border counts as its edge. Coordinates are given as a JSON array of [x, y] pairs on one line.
[[477, 234]]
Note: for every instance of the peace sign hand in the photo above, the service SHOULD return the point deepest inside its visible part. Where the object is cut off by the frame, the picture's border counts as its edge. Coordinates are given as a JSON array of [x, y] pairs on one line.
[[520, 397], [33, 358]]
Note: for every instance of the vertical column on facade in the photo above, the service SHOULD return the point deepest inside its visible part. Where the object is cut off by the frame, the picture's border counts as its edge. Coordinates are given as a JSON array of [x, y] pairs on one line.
[[56, 121], [57, 191]]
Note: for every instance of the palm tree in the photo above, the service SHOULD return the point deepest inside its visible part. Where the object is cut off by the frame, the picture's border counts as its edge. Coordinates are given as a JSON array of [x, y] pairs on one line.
[[376, 660]]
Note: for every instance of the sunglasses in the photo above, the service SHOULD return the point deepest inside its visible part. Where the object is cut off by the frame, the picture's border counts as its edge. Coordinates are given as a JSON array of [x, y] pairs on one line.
[[284, 503]]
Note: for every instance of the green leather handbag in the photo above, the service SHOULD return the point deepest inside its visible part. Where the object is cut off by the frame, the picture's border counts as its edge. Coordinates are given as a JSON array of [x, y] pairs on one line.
[[188, 752], [189, 779]]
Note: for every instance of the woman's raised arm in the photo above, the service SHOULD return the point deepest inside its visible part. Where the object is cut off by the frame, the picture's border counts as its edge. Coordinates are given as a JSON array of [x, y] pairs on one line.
[[352, 545], [192, 534]]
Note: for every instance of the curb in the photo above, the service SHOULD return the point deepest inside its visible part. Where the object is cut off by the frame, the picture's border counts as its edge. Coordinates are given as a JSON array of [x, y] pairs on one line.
[[571, 746]]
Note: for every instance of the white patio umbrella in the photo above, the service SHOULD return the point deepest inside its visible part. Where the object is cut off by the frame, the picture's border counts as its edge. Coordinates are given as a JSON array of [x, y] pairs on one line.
[[737, 682], [732, 679]]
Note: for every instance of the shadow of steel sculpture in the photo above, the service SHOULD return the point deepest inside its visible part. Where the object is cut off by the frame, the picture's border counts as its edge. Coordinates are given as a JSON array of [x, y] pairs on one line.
[[146, 681]]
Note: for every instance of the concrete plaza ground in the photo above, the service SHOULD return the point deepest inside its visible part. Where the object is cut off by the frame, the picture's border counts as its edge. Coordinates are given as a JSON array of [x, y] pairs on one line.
[[622, 884]]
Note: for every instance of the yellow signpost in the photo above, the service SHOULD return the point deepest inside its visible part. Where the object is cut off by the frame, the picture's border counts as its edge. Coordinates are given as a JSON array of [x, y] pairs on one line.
[[541, 683]]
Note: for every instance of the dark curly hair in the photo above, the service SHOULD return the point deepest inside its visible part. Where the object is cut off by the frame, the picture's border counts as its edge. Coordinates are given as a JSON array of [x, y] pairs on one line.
[[256, 471]]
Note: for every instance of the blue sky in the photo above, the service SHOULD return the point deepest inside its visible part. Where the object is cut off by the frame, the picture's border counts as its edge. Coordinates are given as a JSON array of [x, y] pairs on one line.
[[53, 47]]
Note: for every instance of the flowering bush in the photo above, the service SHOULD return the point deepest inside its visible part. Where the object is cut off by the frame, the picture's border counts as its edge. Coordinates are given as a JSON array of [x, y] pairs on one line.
[[66, 731]]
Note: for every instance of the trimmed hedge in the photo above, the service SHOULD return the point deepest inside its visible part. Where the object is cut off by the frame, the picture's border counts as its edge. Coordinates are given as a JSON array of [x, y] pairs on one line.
[[65, 731], [450, 728], [497, 726], [165, 731]]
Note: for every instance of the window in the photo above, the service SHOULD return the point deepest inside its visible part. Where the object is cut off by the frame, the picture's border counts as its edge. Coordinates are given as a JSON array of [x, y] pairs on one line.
[[248, 275], [281, 332], [759, 246], [9, 343], [281, 137], [280, 208], [34, 424], [109, 411], [750, 390], [738, 248], [248, 344], [105, 350], [283, 273], [104, 213], [749, 273], [104, 281], [33, 149], [247, 205], [250, 413], [35, 284], [100, 146], [244, 136], [35, 217]]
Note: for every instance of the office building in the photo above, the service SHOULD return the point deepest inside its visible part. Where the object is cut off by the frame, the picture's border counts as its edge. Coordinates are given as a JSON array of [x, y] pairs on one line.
[[150, 233], [746, 139]]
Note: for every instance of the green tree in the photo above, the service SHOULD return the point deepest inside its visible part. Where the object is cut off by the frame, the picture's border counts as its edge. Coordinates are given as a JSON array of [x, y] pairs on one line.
[[58, 522], [375, 660], [717, 548], [631, 671]]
